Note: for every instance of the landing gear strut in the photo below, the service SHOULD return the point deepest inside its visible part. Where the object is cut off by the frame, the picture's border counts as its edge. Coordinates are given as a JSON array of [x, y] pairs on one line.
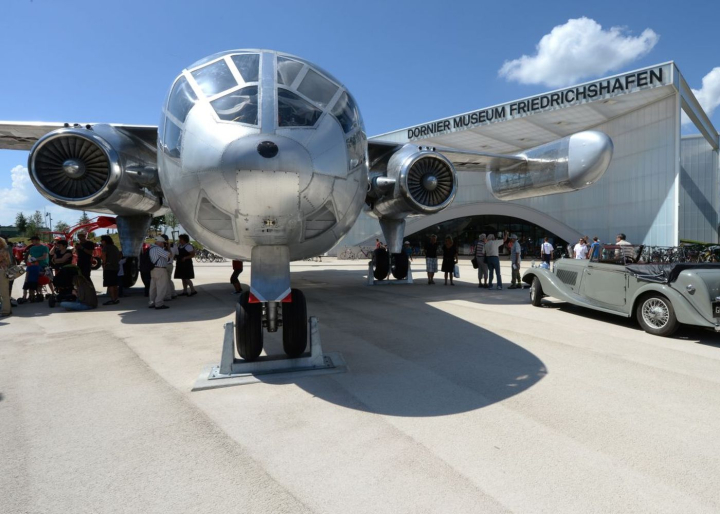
[[251, 318]]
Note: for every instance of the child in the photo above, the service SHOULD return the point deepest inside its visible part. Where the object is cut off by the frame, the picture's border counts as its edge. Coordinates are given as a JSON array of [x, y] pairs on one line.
[[32, 275]]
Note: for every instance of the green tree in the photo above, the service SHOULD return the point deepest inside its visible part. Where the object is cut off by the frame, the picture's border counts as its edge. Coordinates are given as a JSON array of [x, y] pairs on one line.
[[156, 223], [61, 226], [171, 221], [35, 224], [21, 223], [83, 219]]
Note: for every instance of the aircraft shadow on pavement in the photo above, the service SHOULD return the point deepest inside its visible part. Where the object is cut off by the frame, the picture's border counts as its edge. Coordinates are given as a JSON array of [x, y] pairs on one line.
[[405, 357]]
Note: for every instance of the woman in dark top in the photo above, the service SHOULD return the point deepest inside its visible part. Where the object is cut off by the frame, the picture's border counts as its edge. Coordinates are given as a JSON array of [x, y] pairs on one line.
[[60, 255], [184, 269], [111, 265], [450, 258]]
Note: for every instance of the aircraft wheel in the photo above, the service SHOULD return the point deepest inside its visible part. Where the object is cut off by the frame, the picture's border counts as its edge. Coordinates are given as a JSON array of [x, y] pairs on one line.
[[132, 271], [248, 328], [536, 292], [400, 265], [96, 263], [656, 315], [295, 327], [382, 264]]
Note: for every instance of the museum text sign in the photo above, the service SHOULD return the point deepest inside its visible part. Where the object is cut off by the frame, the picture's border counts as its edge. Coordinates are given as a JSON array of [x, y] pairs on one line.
[[593, 91]]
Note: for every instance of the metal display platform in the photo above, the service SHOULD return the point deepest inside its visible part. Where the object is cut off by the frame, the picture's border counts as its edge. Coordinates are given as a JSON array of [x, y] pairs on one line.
[[232, 371]]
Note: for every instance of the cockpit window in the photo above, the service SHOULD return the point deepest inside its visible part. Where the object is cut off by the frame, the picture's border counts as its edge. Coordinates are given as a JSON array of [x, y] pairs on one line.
[[248, 66], [182, 99], [287, 70], [346, 113], [240, 106], [214, 78], [293, 111], [317, 88]]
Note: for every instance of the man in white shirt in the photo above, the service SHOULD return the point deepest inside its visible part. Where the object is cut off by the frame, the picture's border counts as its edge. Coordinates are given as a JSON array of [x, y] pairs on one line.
[[159, 257], [172, 248], [492, 248], [546, 250], [580, 249], [628, 252]]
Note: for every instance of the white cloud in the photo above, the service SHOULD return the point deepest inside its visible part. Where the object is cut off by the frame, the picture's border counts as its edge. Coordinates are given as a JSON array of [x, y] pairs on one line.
[[22, 196], [577, 50], [708, 95]]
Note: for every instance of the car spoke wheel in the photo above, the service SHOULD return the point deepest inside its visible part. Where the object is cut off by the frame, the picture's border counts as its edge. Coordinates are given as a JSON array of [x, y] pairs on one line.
[[536, 292], [656, 315]]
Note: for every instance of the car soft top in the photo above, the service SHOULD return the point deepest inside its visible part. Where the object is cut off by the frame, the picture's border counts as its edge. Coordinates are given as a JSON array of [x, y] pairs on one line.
[[665, 273]]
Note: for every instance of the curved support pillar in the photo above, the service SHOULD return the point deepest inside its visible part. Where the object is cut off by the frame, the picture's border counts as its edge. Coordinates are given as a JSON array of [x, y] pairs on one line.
[[132, 231], [394, 231]]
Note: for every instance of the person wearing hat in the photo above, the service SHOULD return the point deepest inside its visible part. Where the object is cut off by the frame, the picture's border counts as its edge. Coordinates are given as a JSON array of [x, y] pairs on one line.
[[159, 287], [515, 257], [39, 251]]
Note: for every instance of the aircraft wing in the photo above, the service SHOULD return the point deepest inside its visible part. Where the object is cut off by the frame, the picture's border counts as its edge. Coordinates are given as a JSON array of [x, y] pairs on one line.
[[22, 135], [463, 160]]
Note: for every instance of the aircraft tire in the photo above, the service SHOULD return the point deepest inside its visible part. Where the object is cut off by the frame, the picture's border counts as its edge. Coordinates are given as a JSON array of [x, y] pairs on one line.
[[248, 328], [295, 327], [400, 265], [382, 264], [132, 272]]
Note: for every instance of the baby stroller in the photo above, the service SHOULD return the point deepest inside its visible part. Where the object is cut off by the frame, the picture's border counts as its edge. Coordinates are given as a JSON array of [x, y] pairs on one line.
[[63, 285]]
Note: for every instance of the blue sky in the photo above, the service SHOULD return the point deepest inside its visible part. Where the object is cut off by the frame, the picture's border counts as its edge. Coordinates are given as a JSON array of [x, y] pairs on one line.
[[405, 62]]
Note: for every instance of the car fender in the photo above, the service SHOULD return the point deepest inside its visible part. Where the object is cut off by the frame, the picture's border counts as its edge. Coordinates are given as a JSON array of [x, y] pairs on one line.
[[551, 284], [684, 311]]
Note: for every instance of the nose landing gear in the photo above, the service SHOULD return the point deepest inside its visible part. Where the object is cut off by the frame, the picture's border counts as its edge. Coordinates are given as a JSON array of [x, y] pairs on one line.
[[251, 318], [246, 334]]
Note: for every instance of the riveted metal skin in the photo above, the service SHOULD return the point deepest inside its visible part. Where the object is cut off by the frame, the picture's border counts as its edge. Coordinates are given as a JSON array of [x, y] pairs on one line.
[[268, 180]]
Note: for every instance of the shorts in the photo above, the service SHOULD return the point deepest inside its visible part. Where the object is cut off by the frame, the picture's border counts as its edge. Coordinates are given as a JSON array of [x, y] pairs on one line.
[[431, 264], [30, 286], [110, 278]]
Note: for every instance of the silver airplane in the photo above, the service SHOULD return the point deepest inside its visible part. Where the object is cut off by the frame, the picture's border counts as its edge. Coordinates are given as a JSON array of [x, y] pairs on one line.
[[263, 156]]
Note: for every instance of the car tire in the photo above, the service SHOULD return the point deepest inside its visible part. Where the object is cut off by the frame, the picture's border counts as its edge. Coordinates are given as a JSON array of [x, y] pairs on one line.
[[536, 292], [96, 263], [656, 315]]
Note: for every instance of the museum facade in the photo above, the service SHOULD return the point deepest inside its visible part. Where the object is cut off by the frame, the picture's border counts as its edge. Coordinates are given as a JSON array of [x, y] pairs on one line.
[[661, 187]]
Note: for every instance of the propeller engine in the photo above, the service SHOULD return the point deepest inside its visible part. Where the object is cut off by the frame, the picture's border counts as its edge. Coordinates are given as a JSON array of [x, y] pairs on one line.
[[99, 168]]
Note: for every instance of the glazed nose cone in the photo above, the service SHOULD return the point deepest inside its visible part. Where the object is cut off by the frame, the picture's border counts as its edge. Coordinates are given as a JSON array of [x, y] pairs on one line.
[[589, 156]]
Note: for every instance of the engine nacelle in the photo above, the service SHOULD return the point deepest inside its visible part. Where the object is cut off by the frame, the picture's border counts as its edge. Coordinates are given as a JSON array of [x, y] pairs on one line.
[[416, 182], [101, 168]]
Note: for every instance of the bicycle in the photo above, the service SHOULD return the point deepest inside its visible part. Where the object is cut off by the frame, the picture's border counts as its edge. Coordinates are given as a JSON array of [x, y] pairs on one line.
[[347, 254]]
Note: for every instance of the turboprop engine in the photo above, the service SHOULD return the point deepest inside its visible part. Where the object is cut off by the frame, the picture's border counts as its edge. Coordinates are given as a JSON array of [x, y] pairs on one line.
[[103, 169], [417, 181], [99, 168]]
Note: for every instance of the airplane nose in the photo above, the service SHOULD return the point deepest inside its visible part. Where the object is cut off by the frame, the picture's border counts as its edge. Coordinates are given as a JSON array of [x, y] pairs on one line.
[[267, 149], [589, 155], [264, 154]]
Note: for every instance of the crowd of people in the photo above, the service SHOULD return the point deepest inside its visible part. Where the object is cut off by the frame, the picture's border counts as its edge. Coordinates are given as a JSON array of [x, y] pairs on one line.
[[67, 272]]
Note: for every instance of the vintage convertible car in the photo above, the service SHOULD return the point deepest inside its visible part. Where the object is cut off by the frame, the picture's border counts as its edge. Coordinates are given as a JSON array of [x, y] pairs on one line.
[[618, 281]]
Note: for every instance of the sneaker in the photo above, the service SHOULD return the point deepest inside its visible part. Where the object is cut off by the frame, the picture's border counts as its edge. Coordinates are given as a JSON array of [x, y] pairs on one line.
[[513, 286], [161, 307], [151, 306], [112, 302], [499, 288]]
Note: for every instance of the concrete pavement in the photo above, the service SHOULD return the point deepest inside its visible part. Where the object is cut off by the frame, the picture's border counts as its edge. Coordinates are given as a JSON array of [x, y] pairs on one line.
[[457, 399]]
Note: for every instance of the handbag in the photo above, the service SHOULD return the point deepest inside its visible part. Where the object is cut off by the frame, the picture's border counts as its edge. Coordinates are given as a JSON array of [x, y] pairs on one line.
[[456, 272], [474, 262]]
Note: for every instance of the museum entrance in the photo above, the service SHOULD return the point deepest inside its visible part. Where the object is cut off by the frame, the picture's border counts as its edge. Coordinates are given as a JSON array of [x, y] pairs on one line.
[[465, 231]]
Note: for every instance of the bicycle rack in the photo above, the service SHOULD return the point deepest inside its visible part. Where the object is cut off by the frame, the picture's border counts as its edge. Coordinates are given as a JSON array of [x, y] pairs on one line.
[[232, 371]]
